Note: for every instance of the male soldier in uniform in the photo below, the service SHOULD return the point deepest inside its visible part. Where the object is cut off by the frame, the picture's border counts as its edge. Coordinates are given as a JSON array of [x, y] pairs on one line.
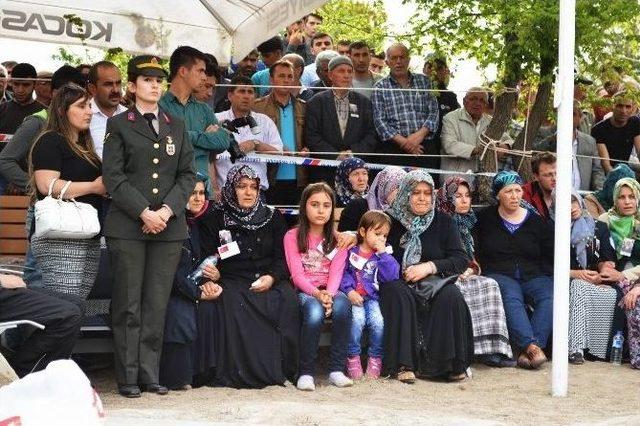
[[148, 169]]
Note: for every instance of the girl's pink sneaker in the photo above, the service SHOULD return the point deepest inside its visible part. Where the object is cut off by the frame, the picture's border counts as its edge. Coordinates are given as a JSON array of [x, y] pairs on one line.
[[354, 367], [374, 366]]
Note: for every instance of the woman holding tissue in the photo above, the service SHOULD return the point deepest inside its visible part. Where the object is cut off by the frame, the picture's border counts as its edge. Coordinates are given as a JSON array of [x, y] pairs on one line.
[[257, 317]]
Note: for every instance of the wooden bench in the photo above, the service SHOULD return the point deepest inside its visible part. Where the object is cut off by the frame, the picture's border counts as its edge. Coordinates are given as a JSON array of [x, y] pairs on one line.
[[13, 214]]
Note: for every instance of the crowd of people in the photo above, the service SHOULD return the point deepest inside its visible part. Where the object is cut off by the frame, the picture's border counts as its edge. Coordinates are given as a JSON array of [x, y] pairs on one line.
[[229, 291]]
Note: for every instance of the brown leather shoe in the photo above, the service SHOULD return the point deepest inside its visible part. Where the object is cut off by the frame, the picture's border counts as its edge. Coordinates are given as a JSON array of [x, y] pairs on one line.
[[536, 356], [407, 376], [523, 361]]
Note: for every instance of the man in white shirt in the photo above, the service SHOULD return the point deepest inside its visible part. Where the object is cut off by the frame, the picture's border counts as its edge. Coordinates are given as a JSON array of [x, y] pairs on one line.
[[242, 97], [105, 87]]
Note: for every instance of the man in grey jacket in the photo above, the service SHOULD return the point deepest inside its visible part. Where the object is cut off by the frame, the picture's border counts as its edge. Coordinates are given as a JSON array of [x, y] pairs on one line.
[[462, 130], [588, 174]]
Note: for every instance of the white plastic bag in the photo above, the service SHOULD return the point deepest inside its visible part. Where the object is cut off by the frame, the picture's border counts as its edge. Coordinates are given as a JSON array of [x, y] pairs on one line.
[[59, 395]]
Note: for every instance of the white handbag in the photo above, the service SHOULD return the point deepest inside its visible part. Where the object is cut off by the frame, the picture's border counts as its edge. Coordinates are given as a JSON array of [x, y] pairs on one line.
[[57, 218]]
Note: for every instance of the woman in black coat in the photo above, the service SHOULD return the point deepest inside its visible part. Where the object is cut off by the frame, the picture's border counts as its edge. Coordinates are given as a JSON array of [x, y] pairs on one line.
[[180, 329], [256, 323], [427, 244]]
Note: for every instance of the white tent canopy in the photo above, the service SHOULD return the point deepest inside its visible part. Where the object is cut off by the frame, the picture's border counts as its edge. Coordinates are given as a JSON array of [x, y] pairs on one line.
[[220, 27]]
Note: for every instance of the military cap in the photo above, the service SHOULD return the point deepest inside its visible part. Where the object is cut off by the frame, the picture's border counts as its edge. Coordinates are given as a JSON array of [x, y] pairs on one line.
[[147, 65]]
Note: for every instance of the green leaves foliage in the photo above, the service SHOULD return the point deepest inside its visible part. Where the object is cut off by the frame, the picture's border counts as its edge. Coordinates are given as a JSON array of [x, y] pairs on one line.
[[355, 20]]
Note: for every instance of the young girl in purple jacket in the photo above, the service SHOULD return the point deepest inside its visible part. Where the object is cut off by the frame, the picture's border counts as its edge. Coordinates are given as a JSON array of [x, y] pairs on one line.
[[368, 265]]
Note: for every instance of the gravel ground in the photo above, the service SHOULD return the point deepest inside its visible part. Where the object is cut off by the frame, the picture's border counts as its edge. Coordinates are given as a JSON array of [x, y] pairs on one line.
[[599, 393]]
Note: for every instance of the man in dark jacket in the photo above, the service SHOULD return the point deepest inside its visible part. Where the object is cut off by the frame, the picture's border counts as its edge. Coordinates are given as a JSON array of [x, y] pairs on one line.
[[339, 120]]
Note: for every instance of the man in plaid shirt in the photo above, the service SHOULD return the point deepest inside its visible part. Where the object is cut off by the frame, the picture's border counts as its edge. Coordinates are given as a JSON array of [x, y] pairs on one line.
[[405, 120]]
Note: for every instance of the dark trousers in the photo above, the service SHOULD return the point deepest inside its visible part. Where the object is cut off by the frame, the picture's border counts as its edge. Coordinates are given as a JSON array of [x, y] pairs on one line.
[[143, 272], [312, 321], [61, 319]]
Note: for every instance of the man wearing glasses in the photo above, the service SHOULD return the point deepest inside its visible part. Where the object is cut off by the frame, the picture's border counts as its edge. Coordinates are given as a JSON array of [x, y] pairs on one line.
[[538, 191]]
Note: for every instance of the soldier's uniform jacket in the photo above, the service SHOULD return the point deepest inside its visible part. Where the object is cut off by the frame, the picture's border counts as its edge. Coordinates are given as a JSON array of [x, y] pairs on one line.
[[143, 170]]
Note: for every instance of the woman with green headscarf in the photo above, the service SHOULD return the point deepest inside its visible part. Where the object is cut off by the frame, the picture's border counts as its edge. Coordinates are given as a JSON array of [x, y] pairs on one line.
[[623, 220], [601, 201]]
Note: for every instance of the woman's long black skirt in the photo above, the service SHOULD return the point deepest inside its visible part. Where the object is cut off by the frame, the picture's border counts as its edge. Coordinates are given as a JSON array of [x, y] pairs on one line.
[[435, 342]]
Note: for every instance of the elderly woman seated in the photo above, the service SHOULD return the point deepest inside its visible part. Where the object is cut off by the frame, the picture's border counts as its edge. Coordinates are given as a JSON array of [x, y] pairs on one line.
[[257, 322]]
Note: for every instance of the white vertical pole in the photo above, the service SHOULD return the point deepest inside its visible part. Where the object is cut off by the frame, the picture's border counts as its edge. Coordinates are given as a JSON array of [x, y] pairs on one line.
[[564, 102]]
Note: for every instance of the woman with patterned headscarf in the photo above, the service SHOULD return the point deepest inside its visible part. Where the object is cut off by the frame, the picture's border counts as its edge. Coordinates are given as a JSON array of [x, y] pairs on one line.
[[623, 220], [482, 294], [352, 180], [602, 200], [380, 196], [514, 246], [592, 303], [435, 340], [257, 324]]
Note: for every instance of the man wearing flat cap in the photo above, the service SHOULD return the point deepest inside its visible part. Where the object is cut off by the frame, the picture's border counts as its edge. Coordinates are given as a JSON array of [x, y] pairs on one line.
[[339, 120], [148, 169]]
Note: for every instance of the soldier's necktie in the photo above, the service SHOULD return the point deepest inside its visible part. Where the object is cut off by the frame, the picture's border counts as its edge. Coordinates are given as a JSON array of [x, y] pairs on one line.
[[149, 116]]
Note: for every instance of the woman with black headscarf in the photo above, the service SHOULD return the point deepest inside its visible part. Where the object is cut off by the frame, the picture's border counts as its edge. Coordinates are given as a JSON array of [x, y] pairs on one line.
[[180, 329], [257, 321]]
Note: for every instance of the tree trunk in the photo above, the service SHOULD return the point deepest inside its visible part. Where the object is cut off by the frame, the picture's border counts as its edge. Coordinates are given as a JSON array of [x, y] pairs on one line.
[[535, 119], [504, 103]]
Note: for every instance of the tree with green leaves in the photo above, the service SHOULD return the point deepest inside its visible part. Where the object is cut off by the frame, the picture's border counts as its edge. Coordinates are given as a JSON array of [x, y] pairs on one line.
[[521, 39], [355, 20]]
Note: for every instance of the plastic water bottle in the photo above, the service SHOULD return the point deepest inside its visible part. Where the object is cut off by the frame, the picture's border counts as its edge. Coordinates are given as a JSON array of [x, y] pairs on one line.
[[209, 261], [616, 348]]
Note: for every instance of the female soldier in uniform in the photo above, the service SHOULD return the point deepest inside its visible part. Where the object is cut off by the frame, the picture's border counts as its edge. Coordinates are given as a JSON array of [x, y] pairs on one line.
[[149, 172]]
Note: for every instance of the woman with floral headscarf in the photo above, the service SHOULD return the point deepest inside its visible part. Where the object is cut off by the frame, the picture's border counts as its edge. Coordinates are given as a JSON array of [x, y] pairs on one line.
[[623, 220], [352, 180], [435, 340], [592, 303], [514, 246], [257, 322], [380, 196], [482, 294]]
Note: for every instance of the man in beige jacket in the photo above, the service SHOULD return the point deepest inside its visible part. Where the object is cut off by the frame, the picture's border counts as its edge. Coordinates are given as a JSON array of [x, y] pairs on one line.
[[461, 131]]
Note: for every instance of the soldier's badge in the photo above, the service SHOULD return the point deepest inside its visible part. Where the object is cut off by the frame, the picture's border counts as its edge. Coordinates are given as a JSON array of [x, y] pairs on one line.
[[169, 140], [171, 149]]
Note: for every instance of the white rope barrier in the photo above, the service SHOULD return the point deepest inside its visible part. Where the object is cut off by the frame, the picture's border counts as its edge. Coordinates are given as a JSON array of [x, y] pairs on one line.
[[317, 162]]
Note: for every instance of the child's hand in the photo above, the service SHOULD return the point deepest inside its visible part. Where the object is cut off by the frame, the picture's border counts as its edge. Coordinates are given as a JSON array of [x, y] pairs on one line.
[[380, 246], [355, 298]]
